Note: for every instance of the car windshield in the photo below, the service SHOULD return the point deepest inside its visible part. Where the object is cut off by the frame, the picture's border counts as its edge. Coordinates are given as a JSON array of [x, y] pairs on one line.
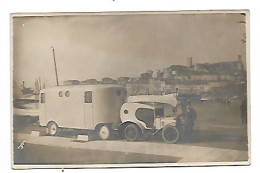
[[161, 109], [159, 112]]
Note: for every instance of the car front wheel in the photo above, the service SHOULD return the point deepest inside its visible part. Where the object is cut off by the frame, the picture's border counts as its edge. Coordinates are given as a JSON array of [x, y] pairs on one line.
[[170, 134]]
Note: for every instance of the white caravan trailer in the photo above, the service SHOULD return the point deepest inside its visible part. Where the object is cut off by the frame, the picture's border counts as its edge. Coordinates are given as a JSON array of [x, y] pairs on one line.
[[93, 107]]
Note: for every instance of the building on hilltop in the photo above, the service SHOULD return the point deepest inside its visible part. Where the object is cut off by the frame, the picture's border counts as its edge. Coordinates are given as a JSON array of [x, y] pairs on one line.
[[71, 82], [122, 80], [90, 82], [107, 80]]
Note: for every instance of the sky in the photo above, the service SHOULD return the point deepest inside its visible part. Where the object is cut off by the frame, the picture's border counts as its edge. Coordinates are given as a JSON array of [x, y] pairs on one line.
[[98, 46]]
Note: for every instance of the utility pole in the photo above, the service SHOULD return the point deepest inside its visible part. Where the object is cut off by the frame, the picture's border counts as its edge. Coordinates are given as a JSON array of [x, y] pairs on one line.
[[57, 80]]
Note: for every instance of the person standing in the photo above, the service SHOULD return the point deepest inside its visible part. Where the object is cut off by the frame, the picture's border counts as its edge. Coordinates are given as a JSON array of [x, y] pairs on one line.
[[243, 109], [227, 101], [181, 122], [192, 116], [187, 120]]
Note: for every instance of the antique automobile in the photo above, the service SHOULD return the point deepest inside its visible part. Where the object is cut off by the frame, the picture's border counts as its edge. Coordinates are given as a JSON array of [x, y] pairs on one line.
[[149, 115]]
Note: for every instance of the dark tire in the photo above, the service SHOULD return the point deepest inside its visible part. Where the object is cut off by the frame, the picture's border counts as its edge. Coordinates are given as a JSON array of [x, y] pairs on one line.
[[170, 134], [132, 132], [52, 128], [104, 132]]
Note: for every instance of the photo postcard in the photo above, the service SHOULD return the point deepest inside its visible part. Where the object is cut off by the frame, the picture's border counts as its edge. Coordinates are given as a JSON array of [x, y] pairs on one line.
[[130, 89]]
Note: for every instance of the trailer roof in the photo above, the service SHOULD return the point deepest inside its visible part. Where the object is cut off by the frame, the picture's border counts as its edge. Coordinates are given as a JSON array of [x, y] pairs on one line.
[[84, 87]]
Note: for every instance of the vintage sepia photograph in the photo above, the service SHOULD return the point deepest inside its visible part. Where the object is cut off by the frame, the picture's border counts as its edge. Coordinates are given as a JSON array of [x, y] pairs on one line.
[[130, 89]]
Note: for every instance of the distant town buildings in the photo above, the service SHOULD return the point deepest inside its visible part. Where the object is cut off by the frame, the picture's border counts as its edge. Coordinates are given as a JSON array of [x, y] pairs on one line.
[[107, 80], [198, 79], [90, 82], [193, 79], [123, 80], [71, 82]]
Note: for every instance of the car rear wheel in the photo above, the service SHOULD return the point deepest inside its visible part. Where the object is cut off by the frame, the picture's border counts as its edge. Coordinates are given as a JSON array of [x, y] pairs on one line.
[[131, 132], [170, 134], [52, 128]]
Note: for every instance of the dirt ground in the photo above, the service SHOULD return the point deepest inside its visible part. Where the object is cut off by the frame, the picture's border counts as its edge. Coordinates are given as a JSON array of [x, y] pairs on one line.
[[219, 125]]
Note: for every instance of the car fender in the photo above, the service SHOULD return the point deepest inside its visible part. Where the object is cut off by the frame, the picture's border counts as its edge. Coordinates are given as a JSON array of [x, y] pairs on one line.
[[136, 123], [158, 130]]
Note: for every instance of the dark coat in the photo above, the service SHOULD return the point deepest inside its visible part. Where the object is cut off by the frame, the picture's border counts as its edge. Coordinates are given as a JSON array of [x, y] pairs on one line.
[[188, 117], [243, 107]]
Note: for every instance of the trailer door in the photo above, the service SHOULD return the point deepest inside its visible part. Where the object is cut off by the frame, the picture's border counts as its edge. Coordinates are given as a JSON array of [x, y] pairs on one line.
[[42, 116], [88, 110]]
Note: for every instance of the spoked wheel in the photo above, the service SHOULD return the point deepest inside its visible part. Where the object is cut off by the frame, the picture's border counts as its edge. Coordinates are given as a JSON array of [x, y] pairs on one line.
[[104, 132], [170, 134], [131, 132], [52, 128]]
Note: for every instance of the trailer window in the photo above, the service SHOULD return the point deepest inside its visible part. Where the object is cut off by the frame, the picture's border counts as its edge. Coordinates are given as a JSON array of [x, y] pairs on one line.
[[42, 97], [60, 93], [67, 93], [88, 97]]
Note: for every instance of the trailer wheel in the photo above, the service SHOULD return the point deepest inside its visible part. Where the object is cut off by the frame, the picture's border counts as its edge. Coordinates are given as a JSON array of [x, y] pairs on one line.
[[104, 132], [52, 128], [131, 132], [170, 134]]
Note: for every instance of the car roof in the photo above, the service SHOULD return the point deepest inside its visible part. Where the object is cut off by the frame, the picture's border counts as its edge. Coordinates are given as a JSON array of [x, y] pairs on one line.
[[167, 99]]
